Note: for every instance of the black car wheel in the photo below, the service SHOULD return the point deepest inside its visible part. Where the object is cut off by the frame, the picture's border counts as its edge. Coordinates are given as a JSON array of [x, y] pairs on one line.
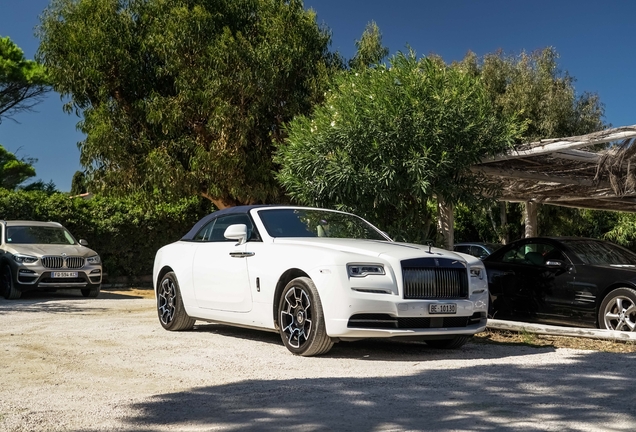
[[91, 292], [9, 290], [301, 321], [618, 310], [456, 342], [172, 313]]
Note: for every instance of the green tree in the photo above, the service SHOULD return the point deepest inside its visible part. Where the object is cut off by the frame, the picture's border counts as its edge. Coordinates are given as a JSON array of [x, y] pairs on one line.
[[78, 184], [389, 139], [532, 86], [14, 171], [370, 49], [183, 97], [23, 82]]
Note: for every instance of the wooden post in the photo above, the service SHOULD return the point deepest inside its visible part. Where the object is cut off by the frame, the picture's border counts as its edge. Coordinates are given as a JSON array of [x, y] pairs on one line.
[[446, 222], [505, 237], [530, 218]]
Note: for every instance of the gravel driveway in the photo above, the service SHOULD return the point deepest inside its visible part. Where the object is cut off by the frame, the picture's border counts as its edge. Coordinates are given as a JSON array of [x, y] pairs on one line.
[[75, 364]]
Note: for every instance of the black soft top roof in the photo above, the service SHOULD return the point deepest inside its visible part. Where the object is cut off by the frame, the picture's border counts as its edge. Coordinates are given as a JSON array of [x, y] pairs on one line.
[[230, 210]]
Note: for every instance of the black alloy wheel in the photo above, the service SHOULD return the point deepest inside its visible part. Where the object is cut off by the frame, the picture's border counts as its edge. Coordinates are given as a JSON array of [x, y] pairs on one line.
[[170, 309], [301, 320]]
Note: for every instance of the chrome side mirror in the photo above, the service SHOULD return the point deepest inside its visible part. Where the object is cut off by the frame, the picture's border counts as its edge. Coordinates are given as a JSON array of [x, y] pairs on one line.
[[83, 242]]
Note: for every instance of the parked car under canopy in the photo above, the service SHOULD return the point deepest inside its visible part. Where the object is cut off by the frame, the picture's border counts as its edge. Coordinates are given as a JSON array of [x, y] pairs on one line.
[[573, 281]]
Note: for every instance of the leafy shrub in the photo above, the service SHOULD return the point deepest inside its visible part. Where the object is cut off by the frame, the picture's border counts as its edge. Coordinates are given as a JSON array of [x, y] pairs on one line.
[[124, 233]]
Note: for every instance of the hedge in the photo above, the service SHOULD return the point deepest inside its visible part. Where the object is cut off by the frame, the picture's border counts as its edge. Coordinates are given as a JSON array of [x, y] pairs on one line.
[[124, 233]]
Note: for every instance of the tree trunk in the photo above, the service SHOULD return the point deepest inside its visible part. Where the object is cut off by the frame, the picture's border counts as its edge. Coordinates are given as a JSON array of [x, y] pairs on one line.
[[530, 217], [446, 222]]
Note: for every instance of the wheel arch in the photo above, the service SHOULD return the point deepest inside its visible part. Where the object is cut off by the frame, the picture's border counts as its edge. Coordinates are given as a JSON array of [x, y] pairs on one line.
[[166, 269], [284, 279]]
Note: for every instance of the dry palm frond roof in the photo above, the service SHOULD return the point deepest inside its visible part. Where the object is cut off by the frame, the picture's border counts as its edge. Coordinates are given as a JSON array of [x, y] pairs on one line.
[[570, 172]]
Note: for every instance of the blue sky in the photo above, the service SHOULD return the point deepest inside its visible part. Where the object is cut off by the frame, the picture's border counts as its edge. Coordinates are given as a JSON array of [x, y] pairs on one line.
[[596, 41]]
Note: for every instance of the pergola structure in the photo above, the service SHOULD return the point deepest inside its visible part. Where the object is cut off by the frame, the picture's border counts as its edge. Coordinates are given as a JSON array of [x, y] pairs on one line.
[[580, 171]]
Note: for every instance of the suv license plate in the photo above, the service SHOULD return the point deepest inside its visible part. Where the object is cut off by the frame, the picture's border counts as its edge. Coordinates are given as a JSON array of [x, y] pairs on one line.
[[63, 274], [442, 308]]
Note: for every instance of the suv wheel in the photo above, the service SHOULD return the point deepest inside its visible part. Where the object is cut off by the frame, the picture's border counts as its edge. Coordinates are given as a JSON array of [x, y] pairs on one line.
[[8, 286]]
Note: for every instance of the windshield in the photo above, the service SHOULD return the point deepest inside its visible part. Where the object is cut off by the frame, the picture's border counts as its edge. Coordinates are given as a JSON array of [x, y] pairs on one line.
[[601, 253], [317, 223], [38, 235]]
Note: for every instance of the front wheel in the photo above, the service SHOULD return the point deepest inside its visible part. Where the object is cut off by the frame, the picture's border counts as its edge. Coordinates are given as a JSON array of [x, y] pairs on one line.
[[618, 310], [9, 290], [301, 320], [172, 313], [91, 292], [453, 343]]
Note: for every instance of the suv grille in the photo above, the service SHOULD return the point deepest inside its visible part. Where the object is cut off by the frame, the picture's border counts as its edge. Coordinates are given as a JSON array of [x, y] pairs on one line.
[[434, 278], [56, 262]]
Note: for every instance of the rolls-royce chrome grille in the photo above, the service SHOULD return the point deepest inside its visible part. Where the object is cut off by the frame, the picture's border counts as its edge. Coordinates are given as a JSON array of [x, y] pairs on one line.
[[57, 262], [445, 279]]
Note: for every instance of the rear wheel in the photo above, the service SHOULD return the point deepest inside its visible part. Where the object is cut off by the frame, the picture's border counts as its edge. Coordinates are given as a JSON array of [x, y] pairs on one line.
[[9, 290], [453, 343], [618, 310], [91, 292], [172, 313], [301, 320]]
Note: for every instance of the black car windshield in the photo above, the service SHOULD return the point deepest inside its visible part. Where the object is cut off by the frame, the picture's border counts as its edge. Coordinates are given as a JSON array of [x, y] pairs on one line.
[[601, 253], [317, 223], [38, 235]]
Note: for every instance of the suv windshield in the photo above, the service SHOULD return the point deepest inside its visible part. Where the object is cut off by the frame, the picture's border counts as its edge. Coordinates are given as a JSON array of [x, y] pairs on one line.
[[317, 223], [38, 235], [601, 253]]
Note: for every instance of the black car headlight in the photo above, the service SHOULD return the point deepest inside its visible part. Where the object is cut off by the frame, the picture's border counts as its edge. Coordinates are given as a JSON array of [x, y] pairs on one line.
[[362, 270], [94, 260], [24, 259]]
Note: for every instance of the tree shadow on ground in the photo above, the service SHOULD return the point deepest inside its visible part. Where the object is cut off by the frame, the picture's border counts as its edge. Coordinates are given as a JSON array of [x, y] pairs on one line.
[[590, 391]]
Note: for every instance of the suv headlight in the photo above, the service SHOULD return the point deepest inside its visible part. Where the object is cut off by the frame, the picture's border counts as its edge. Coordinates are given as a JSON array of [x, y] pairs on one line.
[[24, 259], [94, 260], [362, 270]]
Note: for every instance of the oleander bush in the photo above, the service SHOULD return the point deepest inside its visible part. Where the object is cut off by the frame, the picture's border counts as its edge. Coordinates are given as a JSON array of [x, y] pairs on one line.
[[124, 233]]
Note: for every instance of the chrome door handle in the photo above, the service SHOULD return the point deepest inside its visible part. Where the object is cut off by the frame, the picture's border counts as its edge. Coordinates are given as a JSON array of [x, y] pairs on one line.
[[241, 254]]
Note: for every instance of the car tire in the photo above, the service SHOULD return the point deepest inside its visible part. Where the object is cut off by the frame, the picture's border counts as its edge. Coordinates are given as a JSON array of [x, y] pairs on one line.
[[9, 291], [454, 343], [301, 321], [170, 309], [91, 292], [618, 310]]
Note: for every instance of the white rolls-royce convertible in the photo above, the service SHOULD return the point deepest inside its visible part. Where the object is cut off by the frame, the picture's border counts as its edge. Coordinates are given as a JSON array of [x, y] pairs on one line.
[[317, 277]]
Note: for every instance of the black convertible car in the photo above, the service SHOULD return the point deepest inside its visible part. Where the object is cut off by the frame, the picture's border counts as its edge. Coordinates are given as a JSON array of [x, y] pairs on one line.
[[574, 281]]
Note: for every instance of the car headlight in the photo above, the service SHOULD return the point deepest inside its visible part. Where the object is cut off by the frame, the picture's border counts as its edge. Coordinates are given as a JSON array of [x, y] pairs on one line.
[[477, 272], [362, 270], [24, 259], [94, 260]]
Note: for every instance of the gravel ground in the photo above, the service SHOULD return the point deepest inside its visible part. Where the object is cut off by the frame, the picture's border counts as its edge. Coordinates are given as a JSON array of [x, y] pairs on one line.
[[75, 364]]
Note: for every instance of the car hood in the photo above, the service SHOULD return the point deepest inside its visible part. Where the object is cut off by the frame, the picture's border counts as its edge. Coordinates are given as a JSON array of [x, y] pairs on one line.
[[45, 249], [373, 248]]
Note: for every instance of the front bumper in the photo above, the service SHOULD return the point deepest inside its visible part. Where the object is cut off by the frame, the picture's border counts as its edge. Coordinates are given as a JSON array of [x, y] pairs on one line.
[[352, 313], [27, 279]]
